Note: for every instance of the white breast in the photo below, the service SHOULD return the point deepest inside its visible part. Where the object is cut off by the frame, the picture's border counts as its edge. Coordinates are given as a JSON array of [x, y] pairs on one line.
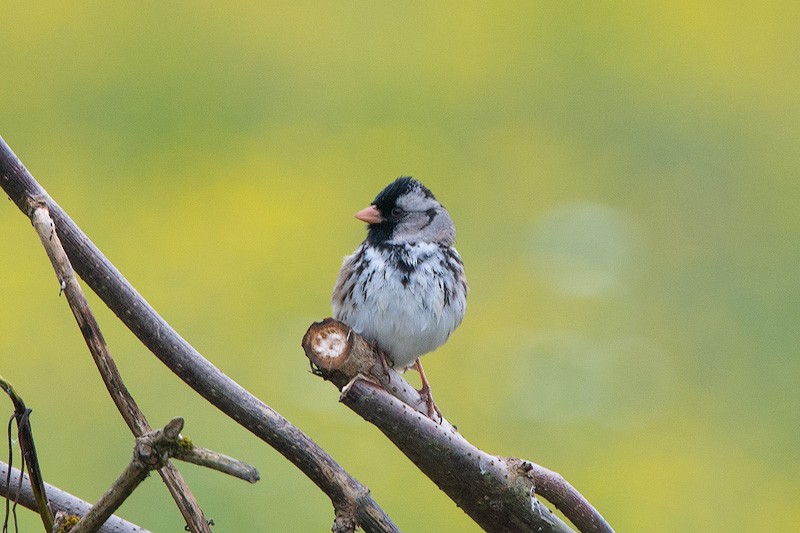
[[407, 312]]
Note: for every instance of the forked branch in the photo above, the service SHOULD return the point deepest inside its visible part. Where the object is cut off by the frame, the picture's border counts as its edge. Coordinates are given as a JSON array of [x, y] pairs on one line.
[[499, 493], [153, 451]]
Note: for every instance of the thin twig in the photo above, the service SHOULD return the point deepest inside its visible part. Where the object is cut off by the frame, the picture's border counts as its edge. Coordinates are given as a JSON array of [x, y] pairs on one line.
[[187, 451], [30, 458]]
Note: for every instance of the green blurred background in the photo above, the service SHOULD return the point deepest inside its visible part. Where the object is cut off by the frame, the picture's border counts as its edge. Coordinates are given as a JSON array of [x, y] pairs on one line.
[[623, 177]]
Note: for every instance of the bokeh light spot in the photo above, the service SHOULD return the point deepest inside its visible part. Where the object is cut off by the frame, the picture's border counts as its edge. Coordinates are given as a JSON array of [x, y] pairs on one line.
[[584, 249]]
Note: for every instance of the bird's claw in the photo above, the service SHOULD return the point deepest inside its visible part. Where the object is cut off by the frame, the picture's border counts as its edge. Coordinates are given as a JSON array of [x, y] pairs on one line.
[[384, 365], [427, 397]]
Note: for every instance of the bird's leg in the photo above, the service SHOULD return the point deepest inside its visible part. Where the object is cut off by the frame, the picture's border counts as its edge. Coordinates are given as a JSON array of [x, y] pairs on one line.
[[425, 392]]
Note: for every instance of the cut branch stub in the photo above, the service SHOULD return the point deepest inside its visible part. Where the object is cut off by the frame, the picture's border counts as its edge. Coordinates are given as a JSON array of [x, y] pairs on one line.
[[328, 345], [340, 355]]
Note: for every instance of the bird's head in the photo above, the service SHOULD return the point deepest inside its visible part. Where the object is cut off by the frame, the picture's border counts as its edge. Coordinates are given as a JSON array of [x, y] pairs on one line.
[[407, 211]]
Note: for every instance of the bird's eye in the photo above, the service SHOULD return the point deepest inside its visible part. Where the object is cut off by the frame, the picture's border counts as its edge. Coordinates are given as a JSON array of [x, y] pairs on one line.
[[397, 212]]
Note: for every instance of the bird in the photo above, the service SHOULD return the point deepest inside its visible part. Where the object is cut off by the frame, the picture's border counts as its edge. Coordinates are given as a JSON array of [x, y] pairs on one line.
[[404, 287]]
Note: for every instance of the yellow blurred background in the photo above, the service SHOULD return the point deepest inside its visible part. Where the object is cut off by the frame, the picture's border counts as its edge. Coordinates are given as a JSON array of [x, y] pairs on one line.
[[623, 177]]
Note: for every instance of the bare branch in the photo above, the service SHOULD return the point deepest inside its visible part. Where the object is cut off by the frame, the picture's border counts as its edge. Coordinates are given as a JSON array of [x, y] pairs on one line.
[[90, 329], [59, 501], [498, 493], [555, 489], [351, 500], [186, 451]]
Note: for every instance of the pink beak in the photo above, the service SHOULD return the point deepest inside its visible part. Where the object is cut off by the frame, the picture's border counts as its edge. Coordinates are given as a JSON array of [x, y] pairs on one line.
[[370, 215]]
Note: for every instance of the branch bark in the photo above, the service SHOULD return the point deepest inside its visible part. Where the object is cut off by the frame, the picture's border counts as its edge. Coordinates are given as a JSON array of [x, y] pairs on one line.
[[59, 501], [499, 493], [352, 501]]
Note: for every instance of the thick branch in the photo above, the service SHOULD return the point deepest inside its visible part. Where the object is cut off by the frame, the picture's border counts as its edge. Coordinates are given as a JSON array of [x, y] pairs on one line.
[[498, 493], [59, 501], [351, 499]]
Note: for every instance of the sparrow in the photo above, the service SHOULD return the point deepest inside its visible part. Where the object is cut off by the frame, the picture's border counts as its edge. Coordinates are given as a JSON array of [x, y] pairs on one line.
[[404, 289]]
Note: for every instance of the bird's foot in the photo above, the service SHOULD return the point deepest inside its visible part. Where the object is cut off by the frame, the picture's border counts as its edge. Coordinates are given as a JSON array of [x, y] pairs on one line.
[[426, 395]]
